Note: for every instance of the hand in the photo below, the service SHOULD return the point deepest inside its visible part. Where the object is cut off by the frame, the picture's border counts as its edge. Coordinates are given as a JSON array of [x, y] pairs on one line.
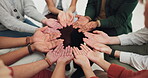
[[82, 20], [53, 56], [80, 58], [66, 56], [98, 46], [92, 55], [88, 27], [52, 23], [97, 37], [45, 46], [62, 18], [53, 33], [69, 18], [5, 72], [39, 36]]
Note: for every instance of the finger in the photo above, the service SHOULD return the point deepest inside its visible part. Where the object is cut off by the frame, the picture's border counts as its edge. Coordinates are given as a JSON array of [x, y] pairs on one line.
[[89, 35], [88, 42], [58, 47], [84, 51], [75, 51], [78, 16], [86, 48]]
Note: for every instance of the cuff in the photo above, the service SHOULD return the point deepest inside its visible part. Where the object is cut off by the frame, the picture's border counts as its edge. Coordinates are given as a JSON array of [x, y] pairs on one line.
[[125, 57], [123, 39], [115, 71]]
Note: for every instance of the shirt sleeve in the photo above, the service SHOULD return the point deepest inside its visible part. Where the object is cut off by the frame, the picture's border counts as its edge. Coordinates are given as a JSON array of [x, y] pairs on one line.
[[116, 71], [139, 62], [136, 38], [14, 24], [31, 11]]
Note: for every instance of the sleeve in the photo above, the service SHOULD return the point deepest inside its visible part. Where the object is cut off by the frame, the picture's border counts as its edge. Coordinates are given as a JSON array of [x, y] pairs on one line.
[[94, 77], [90, 9], [14, 24], [139, 62], [136, 38], [121, 16], [31, 11], [116, 71]]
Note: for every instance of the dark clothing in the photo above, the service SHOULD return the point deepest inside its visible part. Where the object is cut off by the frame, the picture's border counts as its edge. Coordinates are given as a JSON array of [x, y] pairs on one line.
[[118, 15]]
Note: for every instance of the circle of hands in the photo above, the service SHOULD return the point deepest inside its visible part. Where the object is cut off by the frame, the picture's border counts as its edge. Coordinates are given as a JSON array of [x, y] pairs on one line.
[[45, 40]]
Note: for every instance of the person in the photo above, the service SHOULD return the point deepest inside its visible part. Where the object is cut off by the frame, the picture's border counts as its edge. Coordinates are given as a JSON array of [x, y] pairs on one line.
[[38, 69], [12, 20], [41, 36], [112, 17], [61, 10], [136, 38], [83, 56]]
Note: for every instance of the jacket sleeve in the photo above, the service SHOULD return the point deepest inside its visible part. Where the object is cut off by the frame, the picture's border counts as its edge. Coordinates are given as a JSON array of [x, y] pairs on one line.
[[121, 16], [31, 11], [14, 24], [91, 9], [116, 71]]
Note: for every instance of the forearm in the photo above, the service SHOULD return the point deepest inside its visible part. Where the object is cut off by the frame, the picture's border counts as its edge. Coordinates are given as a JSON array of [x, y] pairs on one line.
[[11, 57], [9, 42], [88, 71], [103, 64], [54, 10], [29, 70], [114, 40], [72, 9], [59, 71]]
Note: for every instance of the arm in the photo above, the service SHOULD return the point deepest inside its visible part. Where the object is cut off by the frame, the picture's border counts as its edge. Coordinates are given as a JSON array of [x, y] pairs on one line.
[[59, 71], [31, 11], [72, 7], [8, 42], [29, 70], [51, 7], [137, 61], [121, 15], [14, 24], [120, 72], [91, 9], [65, 58]]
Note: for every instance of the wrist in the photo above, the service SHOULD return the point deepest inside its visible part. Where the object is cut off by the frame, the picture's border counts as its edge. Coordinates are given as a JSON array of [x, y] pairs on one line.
[[117, 53], [44, 20], [48, 61]]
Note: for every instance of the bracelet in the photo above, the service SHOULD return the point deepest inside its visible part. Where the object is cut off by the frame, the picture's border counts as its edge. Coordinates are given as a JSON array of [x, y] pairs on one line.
[[112, 53], [29, 49], [48, 61]]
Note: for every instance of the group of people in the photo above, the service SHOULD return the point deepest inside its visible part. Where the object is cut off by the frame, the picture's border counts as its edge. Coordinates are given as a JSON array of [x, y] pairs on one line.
[[103, 24]]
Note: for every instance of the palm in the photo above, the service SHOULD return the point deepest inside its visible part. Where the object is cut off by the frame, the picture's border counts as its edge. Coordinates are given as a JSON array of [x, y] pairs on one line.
[[82, 60], [52, 56], [39, 36], [93, 56]]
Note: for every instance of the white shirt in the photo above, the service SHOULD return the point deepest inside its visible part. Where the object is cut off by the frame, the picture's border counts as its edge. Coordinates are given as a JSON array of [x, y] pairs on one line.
[[139, 37]]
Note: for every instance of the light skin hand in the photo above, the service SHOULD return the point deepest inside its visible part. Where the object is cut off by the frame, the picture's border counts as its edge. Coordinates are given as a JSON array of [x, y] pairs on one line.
[[54, 55], [62, 18], [39, 36], [53, 33], [98, 37], [66, 56], [80, 58], [98, 46], [69, 18], [82, 20], [45, 46], [53, 23], [88, 27]]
